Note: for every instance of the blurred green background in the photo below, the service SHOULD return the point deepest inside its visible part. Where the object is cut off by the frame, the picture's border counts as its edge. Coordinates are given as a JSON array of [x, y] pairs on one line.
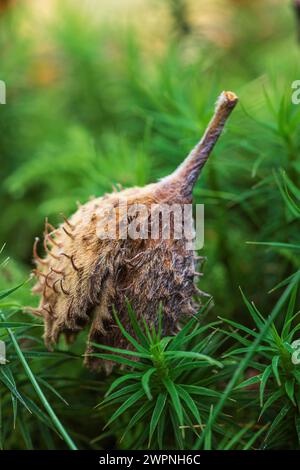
[[105, 92]]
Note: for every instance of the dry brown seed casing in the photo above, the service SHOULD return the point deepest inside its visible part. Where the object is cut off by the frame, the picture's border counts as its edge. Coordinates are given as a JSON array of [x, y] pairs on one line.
[[83, 276]]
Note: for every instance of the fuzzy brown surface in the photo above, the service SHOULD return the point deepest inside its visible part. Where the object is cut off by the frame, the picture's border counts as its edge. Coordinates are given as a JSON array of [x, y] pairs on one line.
[[84, 276]]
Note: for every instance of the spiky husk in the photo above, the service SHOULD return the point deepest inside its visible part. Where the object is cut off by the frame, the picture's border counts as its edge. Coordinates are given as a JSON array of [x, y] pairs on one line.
[[84, 276]]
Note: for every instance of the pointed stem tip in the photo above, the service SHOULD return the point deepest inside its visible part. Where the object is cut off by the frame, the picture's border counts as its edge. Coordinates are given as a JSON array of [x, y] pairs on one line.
[[186, 175]]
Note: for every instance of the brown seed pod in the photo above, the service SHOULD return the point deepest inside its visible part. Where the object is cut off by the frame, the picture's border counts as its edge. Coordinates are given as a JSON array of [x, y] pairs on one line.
[[86, 273]]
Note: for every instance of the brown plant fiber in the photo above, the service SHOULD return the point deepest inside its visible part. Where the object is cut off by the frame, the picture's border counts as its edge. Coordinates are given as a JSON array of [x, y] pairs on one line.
[[82, 276]]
